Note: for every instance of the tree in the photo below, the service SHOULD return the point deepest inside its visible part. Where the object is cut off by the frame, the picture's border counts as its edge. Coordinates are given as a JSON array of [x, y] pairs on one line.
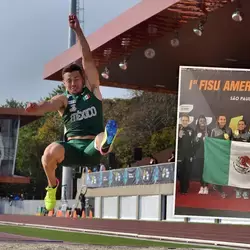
[[147, 120], [57, 91], [33, 139], [13, 104], [162, 139]]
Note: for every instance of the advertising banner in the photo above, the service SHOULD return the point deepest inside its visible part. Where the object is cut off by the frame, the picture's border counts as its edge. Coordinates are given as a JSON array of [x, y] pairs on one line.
[[117, 178], [165, 174], [146, 175], [212, 169], [8, 145], [130, 176], [105, 179]]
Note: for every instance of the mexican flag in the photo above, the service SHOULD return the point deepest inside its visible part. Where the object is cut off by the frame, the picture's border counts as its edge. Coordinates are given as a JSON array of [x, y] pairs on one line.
[[86, 97], [227, 163]]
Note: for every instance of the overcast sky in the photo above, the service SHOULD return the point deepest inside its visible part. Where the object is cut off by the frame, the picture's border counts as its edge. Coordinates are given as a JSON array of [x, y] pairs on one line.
[[35, 31]]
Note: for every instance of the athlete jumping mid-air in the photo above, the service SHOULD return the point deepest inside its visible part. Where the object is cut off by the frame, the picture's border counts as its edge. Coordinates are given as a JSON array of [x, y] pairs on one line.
[[81, 111]]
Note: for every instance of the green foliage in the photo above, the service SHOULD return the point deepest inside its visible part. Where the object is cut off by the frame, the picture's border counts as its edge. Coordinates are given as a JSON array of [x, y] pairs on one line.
[[13, 104], [57, 91], [162, 139], [147, 120], [33, 139]]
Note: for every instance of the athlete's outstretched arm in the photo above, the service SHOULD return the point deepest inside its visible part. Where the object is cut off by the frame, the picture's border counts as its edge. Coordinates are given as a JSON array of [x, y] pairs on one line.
[[87, 59], [56, 103]]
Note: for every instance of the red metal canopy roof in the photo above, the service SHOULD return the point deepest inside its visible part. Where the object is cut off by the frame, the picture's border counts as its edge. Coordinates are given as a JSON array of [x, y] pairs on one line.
[[126, 21], [167, 17], [13, 113], [14, 179]]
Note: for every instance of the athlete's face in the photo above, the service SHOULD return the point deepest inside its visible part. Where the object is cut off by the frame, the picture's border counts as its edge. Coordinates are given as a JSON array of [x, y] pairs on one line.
[[241, 125], [202, 122], [222, 121], [184, 121], [73, 82]]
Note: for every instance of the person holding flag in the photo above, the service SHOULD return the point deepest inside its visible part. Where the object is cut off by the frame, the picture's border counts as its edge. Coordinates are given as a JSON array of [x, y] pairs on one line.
[[241, 134]]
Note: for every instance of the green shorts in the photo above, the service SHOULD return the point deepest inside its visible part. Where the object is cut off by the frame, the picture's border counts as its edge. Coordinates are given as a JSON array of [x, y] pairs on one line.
[[80, 153]]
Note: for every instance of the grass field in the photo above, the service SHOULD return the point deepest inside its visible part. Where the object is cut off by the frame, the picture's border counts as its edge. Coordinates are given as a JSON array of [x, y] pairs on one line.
[[84, 238]]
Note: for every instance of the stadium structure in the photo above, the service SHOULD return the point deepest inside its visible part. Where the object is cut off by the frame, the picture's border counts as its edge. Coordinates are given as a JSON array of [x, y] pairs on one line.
[[142, 49]]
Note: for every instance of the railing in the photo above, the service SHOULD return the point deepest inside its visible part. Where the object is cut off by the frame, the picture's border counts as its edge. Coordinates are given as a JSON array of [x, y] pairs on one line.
[[146, 175]]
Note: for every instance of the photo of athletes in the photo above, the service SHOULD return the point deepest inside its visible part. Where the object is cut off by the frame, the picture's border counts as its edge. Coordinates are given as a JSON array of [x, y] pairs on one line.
[[212, 168]]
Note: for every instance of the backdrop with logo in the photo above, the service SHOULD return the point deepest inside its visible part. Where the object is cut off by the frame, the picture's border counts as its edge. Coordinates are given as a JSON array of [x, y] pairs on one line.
[[8, 145], [155, 174], [210, 157]]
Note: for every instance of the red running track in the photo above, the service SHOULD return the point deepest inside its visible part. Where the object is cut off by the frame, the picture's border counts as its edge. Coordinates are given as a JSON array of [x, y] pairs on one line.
[[213, 200], [214, 232]]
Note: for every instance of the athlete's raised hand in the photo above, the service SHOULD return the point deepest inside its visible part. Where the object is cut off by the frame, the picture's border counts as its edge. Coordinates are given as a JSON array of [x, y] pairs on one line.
[[74, 22]]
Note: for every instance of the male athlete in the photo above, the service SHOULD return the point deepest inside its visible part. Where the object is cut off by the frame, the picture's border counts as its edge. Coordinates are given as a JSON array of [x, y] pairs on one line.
[[81, 111]]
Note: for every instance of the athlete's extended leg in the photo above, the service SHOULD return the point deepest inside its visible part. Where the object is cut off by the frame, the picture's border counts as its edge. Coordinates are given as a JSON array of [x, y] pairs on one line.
[[53, 155], [105, 140]]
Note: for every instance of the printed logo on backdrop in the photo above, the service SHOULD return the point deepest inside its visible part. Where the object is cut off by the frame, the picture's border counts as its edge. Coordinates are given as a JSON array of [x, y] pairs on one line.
[[87, 179], [138, 175], [129, 176], [105, 178], [118, 178], [92, 180], [186, 108], [132, 176], [100, 179], [110, 178], [166, 174], [155, 174], [125, 176], [147, 174]]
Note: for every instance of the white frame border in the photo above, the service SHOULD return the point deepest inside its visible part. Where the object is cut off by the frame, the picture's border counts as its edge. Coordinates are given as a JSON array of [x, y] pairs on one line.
[[176, 144]]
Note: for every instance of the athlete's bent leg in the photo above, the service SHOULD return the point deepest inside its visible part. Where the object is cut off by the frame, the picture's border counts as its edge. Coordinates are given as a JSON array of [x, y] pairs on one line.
[[53, 155], [105, 140], [98, 141]]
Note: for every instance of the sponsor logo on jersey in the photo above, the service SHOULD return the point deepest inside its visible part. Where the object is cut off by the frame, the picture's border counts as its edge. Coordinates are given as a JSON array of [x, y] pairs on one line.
[[84, 114], [71, 102], [72, 108]]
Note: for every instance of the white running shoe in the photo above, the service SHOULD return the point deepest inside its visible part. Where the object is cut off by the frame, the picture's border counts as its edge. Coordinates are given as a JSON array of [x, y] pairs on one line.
[[238, 194], [245, 195], [205, 190], [201, 190]]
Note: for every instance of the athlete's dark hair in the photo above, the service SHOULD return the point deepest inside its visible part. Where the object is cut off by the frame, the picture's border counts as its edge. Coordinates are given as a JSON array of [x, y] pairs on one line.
[[185, 115], [218, 116], [242, 121], [71, 68], [197, 128]]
